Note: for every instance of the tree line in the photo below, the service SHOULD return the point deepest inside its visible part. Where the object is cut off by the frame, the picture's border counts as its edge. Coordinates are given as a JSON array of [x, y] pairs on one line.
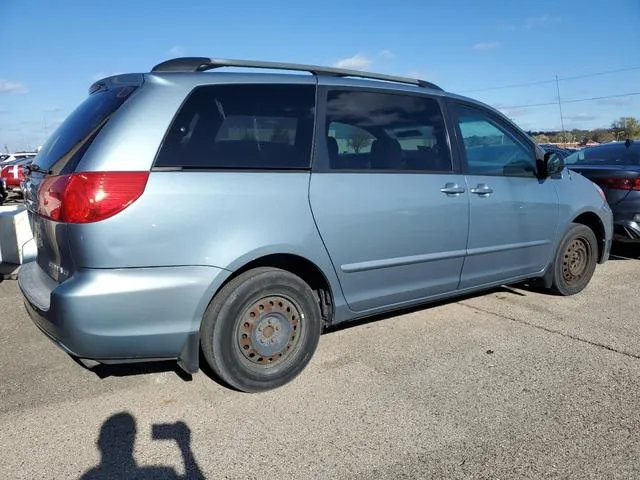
[[621, 129]]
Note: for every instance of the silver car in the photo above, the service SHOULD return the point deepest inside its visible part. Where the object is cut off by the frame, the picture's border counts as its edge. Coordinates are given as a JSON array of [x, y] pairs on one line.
[[305, 201]]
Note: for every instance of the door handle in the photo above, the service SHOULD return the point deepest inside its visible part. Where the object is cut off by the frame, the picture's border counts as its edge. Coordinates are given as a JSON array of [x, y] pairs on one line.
[[482, 189], [452, 189]]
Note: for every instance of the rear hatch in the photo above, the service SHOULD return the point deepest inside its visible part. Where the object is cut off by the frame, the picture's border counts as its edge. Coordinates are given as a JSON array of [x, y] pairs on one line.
[[56, 165]]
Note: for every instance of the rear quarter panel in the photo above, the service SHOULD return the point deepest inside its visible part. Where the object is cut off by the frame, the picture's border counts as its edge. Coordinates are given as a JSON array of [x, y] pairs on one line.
[[218, 219]]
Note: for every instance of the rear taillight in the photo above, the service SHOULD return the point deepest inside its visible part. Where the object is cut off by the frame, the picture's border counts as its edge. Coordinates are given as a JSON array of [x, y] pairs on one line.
[[621, 183], [89, 196]]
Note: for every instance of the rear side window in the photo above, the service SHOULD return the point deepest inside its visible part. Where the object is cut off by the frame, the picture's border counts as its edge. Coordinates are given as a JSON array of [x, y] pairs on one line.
[[63, 150], [386, 131], [612, 154], [242, 126]]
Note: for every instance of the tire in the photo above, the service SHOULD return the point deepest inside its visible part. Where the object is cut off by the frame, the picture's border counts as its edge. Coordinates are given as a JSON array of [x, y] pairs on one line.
[[575, 261], [261, 330]]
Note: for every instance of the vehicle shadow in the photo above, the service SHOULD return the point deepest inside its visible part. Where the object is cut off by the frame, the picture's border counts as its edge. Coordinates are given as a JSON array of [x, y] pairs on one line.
[[116, 442], [143, 368], [625, 251], [427, 306], [103, 370]]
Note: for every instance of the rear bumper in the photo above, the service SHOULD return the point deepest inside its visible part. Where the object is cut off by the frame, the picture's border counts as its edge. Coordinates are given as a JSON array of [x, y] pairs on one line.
[[625, 221], [627, 230], [121, 315]]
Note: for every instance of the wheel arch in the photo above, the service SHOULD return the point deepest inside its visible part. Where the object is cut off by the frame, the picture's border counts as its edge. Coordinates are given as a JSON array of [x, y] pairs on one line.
[[593, 221], [304, 268]]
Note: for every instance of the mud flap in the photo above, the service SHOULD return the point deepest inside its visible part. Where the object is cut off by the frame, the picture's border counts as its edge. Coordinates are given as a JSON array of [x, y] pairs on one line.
[[189, 359]]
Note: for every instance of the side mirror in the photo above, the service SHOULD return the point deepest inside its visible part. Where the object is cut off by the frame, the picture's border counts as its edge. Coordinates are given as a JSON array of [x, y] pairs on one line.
[[552, 164]]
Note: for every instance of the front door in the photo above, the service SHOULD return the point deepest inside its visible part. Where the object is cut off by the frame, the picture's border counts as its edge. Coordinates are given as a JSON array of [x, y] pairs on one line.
[[513, 214], [388, 202]]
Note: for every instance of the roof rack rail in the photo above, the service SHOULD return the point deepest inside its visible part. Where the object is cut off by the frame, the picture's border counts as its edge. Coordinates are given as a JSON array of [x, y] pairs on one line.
[[201, 64]]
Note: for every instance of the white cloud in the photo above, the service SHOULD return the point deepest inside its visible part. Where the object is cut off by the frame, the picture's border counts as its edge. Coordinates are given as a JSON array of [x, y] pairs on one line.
[[542, 21], [483, 46], [175, 51], [387, 54], [7, 86], [357, 62]]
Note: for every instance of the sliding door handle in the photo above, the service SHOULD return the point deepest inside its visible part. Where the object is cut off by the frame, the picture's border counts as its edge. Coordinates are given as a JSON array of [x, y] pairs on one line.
[[482, 189], [452, 189]]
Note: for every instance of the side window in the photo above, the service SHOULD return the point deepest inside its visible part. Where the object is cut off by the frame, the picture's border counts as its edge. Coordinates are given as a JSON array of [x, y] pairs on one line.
[[491, 149], [242, 126], [386, 131]]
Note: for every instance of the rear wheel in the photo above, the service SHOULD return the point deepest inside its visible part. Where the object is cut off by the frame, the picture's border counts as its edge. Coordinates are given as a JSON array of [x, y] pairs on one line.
[[261, 330], [575, 260]]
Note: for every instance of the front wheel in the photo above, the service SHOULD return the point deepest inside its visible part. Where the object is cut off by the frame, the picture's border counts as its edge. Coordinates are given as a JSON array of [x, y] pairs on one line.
[[261, 330], [575, 260]]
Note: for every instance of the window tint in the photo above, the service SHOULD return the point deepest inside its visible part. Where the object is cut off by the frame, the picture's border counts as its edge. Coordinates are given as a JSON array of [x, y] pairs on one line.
[[491, 149], [381, 131], [242, 126], [65, 147]]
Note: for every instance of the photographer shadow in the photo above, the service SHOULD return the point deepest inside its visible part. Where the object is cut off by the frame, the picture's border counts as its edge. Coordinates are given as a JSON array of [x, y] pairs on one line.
[[116, 444]]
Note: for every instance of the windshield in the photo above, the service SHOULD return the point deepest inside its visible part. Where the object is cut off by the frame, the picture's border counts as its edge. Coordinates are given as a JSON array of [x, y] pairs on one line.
[[609, 154]]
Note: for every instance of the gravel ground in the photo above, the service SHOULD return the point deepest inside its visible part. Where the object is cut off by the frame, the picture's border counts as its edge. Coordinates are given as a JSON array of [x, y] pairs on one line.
[[509, 384]]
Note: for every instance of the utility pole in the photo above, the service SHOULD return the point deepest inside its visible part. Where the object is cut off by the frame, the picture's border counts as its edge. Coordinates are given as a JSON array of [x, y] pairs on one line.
[[560, 106]]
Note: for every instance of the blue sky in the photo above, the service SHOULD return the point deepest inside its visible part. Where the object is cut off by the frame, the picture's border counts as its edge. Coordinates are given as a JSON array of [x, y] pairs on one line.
[[51, 51]]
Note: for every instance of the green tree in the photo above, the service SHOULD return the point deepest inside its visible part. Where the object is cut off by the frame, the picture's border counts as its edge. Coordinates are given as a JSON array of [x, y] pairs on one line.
[[626, 127], [541, 138], [601, 135]]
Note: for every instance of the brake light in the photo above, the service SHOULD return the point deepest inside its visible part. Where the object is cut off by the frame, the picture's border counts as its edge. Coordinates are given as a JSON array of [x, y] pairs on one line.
[[89, 196], [621, 183]]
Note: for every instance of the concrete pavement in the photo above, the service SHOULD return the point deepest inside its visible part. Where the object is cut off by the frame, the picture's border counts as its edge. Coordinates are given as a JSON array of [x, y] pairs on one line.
[[510, 384]]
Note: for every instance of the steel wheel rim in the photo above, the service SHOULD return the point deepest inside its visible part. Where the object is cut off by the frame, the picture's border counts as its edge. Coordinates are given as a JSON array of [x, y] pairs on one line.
[[575, 260], [269, 331]]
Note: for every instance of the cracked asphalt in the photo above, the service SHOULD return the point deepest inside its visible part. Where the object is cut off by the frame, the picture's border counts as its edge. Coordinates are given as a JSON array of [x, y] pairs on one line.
[[507, 384]]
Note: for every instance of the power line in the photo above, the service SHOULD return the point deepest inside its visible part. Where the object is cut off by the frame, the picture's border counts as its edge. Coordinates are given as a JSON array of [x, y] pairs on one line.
[[570, 101], [544, 82]]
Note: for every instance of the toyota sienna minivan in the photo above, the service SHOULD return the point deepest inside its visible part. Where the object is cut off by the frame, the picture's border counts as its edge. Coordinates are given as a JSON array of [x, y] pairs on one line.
[[239, 213]]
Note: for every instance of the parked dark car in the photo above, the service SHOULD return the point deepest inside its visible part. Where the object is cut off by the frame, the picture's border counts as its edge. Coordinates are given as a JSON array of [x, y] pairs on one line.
[[615, 167]]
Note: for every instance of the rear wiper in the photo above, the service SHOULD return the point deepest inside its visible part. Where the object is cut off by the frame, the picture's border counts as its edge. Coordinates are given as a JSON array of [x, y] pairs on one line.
[[36, 168]]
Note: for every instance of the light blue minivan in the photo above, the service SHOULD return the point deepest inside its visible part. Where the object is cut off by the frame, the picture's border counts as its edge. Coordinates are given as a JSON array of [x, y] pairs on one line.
[[238, 214]]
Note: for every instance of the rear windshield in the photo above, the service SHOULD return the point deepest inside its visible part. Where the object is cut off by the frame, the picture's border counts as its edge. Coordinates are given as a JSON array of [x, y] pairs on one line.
[[610, 154], [64, 148]]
